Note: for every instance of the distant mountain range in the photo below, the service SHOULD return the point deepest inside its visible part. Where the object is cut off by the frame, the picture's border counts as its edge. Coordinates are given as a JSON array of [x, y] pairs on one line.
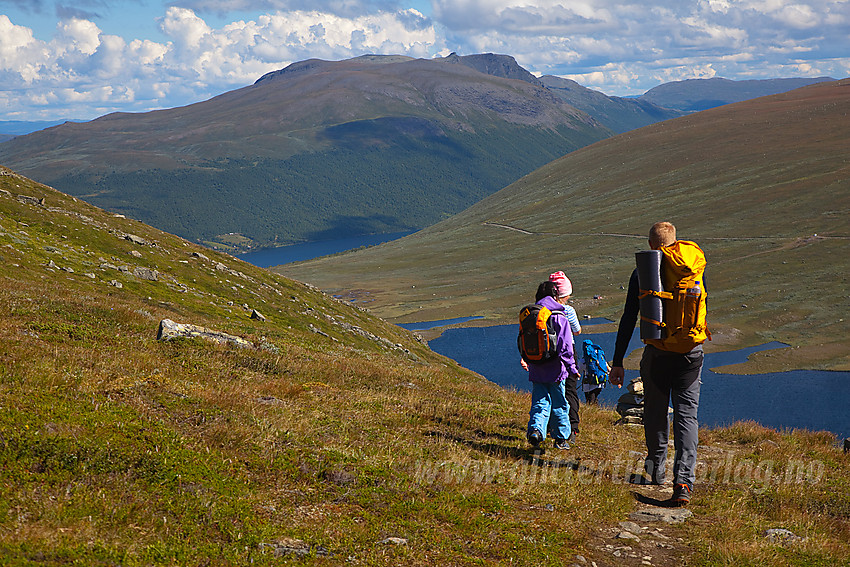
[[323, 149], [761, 185], [11, 128], [665, 101], [618, 114], [694, 95]]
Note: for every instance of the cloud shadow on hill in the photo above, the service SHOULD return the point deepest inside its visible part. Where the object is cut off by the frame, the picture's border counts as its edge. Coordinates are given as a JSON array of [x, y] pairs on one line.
[[346, 226]]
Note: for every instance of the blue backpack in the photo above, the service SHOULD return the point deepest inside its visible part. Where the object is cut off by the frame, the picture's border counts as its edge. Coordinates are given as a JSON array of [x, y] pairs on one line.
[[594, 361]]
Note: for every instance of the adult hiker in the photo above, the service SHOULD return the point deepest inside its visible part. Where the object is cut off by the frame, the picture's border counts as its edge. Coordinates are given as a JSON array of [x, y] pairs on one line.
[[546, 344], [671, 366]]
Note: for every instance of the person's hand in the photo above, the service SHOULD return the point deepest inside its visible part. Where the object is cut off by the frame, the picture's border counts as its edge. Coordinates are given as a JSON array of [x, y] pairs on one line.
[[616, 375], [524, 364]]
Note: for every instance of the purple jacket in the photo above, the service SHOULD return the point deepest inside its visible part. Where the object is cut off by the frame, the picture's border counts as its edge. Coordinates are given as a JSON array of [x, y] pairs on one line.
[[558, 369]]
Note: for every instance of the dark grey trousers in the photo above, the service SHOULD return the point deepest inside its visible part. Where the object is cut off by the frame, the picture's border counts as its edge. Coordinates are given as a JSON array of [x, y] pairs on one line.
[[670, 376], [571, 393]]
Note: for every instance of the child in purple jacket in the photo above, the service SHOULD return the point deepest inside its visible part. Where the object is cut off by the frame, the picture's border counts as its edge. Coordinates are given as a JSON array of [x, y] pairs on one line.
[[547, 378]]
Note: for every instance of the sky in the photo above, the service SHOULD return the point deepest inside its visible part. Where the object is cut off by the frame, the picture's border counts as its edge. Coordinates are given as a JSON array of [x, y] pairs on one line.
[[82, 59]]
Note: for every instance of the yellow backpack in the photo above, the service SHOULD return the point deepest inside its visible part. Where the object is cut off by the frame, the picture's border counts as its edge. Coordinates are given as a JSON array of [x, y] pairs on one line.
[[682, 269]]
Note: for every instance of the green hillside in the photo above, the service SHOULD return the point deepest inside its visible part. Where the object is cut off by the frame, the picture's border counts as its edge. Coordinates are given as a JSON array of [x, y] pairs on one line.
[[315, 150], [330, 194], [317, 434], [329, 437], [762, 185]]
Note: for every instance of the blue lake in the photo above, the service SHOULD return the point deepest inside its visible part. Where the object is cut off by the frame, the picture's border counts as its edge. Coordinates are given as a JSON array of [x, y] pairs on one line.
[[308, 250], [424, 325], [800, 399]]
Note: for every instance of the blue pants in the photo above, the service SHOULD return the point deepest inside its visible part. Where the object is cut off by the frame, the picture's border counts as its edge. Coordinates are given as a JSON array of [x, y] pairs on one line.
[[546, 399], [670, 377]]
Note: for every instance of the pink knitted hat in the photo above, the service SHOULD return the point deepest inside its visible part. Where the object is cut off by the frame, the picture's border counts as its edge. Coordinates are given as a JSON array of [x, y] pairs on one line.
[[563, 283]]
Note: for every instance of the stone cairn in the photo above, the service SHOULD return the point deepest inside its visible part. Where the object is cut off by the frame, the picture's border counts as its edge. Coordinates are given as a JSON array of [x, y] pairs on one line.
[[630, 404]]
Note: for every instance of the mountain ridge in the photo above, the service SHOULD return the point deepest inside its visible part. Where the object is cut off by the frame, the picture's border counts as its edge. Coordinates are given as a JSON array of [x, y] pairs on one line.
[[315, 150], [693, 95], [444, 133], [618, 114], [192, 123]]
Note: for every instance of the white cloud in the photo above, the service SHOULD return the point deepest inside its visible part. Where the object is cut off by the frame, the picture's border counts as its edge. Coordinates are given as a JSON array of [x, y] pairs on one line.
[[18, 50], [81, 64], [109, 58], [344, 8], [522, 16], [146, 52], [242, 51], [12, 38], [184, 27], [798, 16], [77, 35], [700, 33], [631, 47]]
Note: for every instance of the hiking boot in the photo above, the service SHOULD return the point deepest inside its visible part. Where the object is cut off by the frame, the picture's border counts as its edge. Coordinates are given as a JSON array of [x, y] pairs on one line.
[[681, 495], [561, 444], [535, 438], [573, 438]]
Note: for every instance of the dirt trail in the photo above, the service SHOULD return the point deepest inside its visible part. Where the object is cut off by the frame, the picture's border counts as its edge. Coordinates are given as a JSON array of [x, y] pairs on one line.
[[652, 536], [792, 241]]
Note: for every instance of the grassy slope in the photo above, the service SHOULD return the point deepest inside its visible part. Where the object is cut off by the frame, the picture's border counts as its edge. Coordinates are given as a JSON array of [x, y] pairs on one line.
[[119, 449], [752, 182]]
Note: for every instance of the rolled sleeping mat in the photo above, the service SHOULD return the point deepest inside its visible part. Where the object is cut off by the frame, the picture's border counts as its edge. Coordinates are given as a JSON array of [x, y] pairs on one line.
[[649, 278]]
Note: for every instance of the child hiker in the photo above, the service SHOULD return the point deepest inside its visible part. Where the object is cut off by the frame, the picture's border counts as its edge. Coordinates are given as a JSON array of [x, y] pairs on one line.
[[565, 290], [594, 371], [549, 407]]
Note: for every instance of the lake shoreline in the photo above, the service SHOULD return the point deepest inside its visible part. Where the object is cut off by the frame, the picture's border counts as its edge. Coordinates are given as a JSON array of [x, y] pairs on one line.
[[738, 369], [796, 399], [271, 256]]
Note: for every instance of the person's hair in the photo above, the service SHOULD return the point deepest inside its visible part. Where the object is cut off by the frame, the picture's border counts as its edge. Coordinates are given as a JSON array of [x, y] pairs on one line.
[[662, 234], [546, 289]]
